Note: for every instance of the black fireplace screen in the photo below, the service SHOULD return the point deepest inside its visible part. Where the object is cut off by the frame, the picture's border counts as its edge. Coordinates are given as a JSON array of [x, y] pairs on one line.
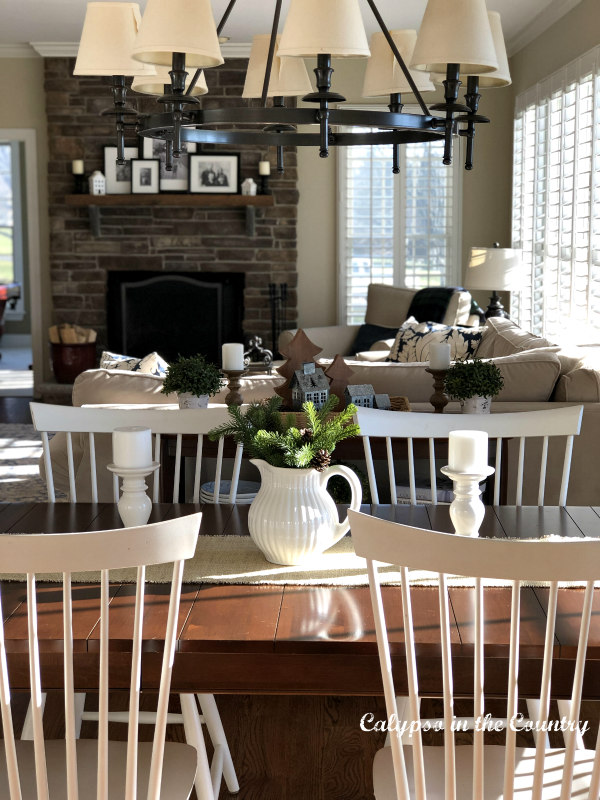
[[174, 312]]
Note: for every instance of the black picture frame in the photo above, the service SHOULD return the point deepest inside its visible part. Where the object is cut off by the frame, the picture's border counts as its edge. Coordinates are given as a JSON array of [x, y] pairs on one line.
[[118, 178], [177, 179], [214, 173], [145, 175]]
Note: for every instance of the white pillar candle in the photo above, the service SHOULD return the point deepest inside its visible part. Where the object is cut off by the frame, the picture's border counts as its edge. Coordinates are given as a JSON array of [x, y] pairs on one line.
[[233, 357], [132, 447], [468, 451], [264, 167], [439, 356], [77, 167]]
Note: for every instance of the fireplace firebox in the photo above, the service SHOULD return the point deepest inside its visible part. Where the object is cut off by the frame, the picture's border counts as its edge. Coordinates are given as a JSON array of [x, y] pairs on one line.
[[174, 312]]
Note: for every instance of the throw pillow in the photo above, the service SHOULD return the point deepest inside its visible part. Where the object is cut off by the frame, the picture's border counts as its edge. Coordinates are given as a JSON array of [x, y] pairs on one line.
[[152, 364], [415, 338], [431, 303], [503, 338], [369, 334]]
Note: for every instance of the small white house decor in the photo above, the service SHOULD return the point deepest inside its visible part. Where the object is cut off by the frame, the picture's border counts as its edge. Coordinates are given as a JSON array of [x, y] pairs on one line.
[[309, 384], [97, 183]]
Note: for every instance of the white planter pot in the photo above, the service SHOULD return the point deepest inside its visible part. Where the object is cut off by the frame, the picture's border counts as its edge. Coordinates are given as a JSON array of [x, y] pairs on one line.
[[187, 400], [293, 518], [476, 405]]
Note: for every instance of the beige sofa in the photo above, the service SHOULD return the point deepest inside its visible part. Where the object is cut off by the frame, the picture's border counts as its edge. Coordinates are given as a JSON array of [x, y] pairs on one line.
[[536, 375]]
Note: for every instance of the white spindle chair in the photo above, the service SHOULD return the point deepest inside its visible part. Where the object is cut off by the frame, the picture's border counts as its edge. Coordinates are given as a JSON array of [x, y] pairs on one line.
[[90, 421], [479, 771], [76, 768], [522, 425]]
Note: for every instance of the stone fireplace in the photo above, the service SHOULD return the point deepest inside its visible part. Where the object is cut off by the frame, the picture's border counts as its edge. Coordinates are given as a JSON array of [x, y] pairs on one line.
[[169, 239], [174, 313]]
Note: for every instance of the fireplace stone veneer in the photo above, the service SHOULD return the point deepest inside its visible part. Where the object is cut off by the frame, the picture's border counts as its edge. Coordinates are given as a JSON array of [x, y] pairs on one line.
[[168, 239]]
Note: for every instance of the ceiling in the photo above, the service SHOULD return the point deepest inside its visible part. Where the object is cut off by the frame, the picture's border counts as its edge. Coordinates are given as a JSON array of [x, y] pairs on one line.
[[60, 21]]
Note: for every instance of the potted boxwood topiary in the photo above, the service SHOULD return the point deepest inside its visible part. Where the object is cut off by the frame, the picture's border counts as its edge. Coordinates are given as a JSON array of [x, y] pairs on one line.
[[474, 383], [194, 380]]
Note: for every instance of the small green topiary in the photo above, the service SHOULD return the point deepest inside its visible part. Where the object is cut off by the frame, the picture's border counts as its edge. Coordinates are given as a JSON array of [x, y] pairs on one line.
[[476, 378], [193, 374]]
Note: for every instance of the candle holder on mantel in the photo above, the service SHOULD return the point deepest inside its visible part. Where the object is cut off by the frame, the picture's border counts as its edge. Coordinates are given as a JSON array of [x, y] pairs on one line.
[[135, 505], [467, 509], [439, 398], [234, 396]]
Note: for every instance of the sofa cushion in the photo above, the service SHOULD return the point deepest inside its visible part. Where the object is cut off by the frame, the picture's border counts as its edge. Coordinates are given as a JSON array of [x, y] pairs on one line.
[[528, 377], [414, 339], [369, 334], [503, 337], [387, 305]]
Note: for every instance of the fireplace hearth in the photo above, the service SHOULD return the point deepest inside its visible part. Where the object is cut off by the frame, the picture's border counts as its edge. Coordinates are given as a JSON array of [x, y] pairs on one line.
[[174, 312]]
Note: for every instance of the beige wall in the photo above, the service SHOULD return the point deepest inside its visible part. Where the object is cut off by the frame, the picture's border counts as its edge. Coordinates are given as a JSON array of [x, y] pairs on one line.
[[485, 212], [23, 105]]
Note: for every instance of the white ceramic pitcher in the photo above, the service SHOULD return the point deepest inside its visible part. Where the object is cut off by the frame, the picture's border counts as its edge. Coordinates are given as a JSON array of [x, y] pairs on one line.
[[293, 518]]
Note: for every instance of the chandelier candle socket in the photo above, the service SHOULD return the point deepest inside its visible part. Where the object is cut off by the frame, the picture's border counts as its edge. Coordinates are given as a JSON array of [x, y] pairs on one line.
[[233, 357], [132, 447], [468, 451]]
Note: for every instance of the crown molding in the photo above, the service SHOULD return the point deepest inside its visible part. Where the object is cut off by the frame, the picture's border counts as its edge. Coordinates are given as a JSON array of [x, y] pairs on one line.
[[69, 49], [551, 14], [17, 51]]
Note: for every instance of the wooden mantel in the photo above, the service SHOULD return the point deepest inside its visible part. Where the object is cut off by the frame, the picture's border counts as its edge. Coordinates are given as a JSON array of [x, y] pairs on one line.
[[96, 202]]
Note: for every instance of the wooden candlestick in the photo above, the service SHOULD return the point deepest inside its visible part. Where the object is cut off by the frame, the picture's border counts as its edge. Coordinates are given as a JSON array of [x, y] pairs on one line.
[[234, 396], [439, 398]]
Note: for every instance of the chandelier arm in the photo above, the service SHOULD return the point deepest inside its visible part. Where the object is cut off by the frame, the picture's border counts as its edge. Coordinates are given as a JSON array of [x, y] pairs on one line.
[[472, 97], [271, 53], [451, 87], [398, 57]]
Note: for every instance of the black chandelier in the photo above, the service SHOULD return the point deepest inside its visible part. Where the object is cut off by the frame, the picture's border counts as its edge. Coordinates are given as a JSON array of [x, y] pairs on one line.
[[159, 49]]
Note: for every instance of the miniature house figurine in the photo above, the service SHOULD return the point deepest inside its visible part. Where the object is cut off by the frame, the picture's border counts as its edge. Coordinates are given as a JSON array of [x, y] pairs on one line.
[[309, 384], [97, 183], [361, 394], [382, 402]]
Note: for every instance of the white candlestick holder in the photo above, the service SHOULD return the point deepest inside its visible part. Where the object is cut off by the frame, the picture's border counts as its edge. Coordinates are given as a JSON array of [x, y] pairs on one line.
[[135, 505], [467, 509]]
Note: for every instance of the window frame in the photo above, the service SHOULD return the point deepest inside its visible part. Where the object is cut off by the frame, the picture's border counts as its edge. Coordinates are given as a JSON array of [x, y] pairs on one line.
[[454, 272], [18, 313]]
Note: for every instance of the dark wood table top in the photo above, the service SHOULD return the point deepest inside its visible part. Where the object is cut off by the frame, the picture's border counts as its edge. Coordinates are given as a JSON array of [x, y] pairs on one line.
[[298, 639]]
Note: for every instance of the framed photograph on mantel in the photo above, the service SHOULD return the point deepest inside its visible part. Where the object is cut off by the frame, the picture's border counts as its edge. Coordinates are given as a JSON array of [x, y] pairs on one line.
[[145, 175], [215, 173], [177, 179], [118, 177]]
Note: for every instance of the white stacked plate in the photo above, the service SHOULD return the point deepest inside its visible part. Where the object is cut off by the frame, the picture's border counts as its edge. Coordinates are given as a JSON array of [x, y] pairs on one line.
[[246, 492]]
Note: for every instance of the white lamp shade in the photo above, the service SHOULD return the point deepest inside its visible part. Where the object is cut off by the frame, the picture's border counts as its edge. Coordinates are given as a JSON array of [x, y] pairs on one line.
[[316, 27], [156, 84], [178, 26], [494, 268], [501, 76], [384, 74], [289, 77], [107, 39], [456, 32]]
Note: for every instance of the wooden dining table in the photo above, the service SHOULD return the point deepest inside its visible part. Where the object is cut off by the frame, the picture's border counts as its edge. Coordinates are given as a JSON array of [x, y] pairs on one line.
[[295, 639]]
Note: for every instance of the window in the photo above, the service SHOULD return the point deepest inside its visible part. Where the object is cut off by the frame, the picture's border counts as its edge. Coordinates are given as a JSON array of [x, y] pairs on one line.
[[556, 202], [11, 234], [398, 229]]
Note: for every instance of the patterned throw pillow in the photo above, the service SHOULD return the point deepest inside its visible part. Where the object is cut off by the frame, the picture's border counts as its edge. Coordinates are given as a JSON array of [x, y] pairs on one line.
[[152, 364], [414, 339]]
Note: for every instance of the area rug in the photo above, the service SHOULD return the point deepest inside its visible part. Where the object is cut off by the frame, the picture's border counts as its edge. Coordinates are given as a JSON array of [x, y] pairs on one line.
[[20, 451]]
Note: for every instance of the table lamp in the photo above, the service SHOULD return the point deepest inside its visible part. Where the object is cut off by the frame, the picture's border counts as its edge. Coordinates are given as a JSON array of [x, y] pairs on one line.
[[494, 268]]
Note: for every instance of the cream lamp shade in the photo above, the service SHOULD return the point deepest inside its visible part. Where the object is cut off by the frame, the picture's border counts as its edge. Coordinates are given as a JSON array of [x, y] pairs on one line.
[[289, 77], [317, 27], [384, 74], [456, 32], [156, 84], [501, 76], [107, 39], [494, 268], [178, 26]]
